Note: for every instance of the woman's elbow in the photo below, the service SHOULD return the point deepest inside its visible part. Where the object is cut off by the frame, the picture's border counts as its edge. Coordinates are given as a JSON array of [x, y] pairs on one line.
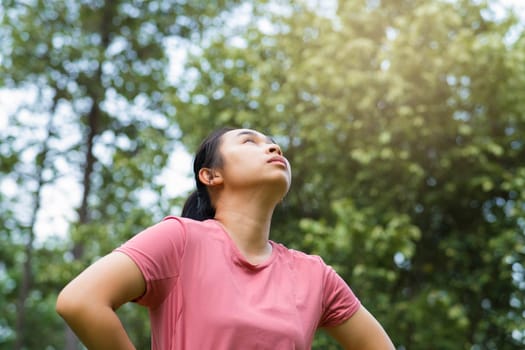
[[64, 304], [69, 303]]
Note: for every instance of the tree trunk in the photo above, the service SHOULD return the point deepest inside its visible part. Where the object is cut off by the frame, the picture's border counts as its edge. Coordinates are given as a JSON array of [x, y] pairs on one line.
[[27, 269], [93, 126]]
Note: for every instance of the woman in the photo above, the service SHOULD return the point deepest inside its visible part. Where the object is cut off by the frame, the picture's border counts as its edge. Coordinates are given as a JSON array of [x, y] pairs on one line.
[[212, 279]]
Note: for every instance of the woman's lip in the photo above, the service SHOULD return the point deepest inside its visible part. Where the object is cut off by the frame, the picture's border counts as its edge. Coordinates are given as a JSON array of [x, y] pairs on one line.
[[278, 160]]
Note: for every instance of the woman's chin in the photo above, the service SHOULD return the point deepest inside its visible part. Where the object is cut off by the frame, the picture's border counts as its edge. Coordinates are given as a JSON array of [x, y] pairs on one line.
[[281, 187]]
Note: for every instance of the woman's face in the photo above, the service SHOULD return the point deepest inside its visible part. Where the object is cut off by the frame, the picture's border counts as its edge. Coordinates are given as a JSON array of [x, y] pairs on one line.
[[251, 158]]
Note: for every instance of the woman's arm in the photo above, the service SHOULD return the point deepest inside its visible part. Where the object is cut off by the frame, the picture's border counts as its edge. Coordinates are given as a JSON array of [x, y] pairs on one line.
[[89, 301], [361, 332]]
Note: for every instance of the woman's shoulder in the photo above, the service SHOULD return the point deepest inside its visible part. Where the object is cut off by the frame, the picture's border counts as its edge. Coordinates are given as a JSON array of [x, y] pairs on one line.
[[300, 258], [193, 229], [188, 223]]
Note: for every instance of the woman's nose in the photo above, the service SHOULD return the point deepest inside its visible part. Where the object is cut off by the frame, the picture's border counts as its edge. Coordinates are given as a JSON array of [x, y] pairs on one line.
[[275, 149]]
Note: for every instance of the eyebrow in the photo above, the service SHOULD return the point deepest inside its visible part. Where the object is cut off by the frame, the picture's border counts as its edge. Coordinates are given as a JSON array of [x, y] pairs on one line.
[[248, 132]]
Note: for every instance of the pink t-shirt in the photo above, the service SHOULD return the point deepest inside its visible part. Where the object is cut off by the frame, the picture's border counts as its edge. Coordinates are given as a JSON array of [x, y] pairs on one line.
[[203, 294]]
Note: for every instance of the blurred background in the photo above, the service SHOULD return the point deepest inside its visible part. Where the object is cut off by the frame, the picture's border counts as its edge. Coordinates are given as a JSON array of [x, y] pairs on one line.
[[404, 122]]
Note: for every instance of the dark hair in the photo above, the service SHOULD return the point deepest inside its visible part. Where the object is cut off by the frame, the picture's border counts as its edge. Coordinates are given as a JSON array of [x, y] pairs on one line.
[[198, 205]]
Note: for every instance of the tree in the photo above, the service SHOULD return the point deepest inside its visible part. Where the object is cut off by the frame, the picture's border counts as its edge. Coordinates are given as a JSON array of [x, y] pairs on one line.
[[401, 120]]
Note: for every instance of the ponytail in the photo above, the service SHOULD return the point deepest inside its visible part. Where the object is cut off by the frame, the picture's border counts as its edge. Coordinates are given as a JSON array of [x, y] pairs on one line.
[[198, 206]]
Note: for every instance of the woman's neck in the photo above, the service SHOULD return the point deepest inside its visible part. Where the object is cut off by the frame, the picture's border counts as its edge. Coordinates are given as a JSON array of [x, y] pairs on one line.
[[248, 224]]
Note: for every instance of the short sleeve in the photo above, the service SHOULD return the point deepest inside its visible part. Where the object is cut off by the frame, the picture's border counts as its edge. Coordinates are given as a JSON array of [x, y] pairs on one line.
[[339, 301], [157, 251]]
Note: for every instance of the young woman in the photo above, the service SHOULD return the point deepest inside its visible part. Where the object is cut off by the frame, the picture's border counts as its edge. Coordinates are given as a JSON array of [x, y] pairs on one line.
[[212, 279]]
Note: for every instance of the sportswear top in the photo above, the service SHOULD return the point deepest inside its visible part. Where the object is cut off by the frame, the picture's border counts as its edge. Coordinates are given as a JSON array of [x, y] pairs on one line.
[[203, 294]]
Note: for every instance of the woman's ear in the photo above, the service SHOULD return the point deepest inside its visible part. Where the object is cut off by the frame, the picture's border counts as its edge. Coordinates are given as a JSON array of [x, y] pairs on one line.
[[210, 177]]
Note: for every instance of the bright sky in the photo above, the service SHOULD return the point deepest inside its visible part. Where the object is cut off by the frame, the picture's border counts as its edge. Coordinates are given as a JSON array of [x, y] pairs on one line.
[[60, 200], [517, 5]]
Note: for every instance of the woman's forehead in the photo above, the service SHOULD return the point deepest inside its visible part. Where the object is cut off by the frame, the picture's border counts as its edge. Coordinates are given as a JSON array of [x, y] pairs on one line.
[[241, 132]]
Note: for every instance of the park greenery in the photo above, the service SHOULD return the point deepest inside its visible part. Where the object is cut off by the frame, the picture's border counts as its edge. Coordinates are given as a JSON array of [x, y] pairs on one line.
[[403, 121]]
